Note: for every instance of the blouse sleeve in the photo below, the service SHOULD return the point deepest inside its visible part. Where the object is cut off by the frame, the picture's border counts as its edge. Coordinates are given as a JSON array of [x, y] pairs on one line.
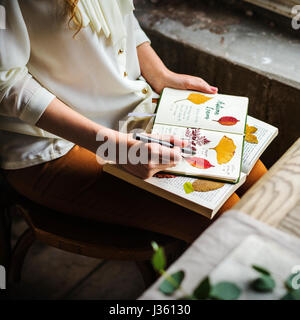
[[140, 36], [21, 96]]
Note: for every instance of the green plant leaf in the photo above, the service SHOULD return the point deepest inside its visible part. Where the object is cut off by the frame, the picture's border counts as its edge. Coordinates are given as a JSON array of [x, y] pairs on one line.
[[158, 258], [287, 296], [154, 245], [225, 291], [188, 187], [296, 294], [169, 286], [203, 289], [292, 295], [264, 283], [288, 282], [261, 270]]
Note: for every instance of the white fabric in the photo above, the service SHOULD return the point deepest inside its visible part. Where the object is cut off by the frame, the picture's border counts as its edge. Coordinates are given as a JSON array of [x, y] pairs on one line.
[[105, 15], [40, 60]]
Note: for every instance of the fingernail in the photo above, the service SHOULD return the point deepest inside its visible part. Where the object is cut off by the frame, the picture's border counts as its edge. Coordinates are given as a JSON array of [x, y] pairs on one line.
[[214, 88]]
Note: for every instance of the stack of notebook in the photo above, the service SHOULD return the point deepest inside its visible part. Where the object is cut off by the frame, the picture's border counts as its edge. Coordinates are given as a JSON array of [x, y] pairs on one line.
[[227, 143]]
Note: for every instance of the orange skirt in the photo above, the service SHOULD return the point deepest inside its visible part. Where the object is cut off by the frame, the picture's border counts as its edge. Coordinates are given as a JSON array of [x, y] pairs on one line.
[[75, 184]]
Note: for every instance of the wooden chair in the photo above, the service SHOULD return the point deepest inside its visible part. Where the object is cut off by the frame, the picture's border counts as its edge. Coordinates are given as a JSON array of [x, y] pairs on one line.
[[77, 235]]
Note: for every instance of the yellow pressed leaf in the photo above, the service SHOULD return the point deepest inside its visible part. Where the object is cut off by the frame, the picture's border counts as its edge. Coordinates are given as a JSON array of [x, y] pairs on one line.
[[250, 129], [198, 98], [206, 185], [225, 150], [249, 137]]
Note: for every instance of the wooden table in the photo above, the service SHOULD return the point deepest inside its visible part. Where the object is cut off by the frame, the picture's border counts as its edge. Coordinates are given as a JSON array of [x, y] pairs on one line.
[[274, 200]]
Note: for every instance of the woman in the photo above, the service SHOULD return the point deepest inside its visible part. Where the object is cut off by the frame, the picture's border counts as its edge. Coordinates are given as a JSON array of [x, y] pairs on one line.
[[61, 98]]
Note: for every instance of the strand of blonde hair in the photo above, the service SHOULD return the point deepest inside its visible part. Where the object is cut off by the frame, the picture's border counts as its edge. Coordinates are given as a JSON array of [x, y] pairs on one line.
[[73, 12]]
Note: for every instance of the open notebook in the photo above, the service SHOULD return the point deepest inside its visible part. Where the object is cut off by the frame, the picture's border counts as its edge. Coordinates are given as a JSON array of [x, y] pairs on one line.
[[205, 203], [213, 124]]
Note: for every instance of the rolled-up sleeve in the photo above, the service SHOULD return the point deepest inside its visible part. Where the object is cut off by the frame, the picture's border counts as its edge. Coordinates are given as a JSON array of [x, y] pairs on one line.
[[140, 35], [21, 96]]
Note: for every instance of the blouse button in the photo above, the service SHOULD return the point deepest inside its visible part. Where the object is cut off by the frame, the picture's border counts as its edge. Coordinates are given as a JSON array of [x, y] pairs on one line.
[[125, 74], [120, 51], [145, 91]]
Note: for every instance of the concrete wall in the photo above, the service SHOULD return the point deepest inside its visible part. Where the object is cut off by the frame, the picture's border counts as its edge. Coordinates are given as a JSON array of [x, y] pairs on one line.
[[271, 99]]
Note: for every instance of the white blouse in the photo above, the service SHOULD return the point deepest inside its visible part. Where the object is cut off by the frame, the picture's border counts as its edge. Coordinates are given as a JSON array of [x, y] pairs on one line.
[[96, 73]]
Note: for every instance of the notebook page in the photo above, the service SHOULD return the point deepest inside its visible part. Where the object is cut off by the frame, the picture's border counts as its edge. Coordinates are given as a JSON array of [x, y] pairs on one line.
[[210, 162], [211, 199], [213, 112], [265, 134]]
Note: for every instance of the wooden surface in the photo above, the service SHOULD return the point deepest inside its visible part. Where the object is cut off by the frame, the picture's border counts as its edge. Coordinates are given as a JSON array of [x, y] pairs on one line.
[[275, 198], [228, 248]]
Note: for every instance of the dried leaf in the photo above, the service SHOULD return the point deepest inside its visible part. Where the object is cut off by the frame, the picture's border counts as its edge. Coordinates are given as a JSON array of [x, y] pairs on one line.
[[198, 98], [188, 187], [250, 129], [225, 150], [195, 137], [199, 163], [227, 121], [202, 185], [164, 175], [249, 137]]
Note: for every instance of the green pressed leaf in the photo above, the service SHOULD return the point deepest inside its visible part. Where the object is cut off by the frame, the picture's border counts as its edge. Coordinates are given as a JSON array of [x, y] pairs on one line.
[[203, 289], [225, 291], [169, 286], [188, 187], [289, 281], [158, 258], [264, 283], [261, 269]]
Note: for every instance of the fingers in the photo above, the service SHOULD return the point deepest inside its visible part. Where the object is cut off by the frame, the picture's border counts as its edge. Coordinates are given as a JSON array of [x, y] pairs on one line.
[[150, 158], [199, 84], [175, 140], [163, 155], [171, 138]]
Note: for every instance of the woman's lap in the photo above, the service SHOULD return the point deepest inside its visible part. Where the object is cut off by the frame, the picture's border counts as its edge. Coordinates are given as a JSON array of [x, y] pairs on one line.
[[75, 184]]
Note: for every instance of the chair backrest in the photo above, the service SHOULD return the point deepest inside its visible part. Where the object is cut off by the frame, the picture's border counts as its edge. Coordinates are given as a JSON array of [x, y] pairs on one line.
[[6, 191]]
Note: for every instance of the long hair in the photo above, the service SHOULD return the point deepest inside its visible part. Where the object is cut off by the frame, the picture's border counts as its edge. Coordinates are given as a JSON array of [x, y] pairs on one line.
[[72, 10]]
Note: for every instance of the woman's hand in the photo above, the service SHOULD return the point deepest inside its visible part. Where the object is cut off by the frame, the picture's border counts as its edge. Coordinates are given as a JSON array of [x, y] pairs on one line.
[[160, 77], [146, 159], [182, 81]]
